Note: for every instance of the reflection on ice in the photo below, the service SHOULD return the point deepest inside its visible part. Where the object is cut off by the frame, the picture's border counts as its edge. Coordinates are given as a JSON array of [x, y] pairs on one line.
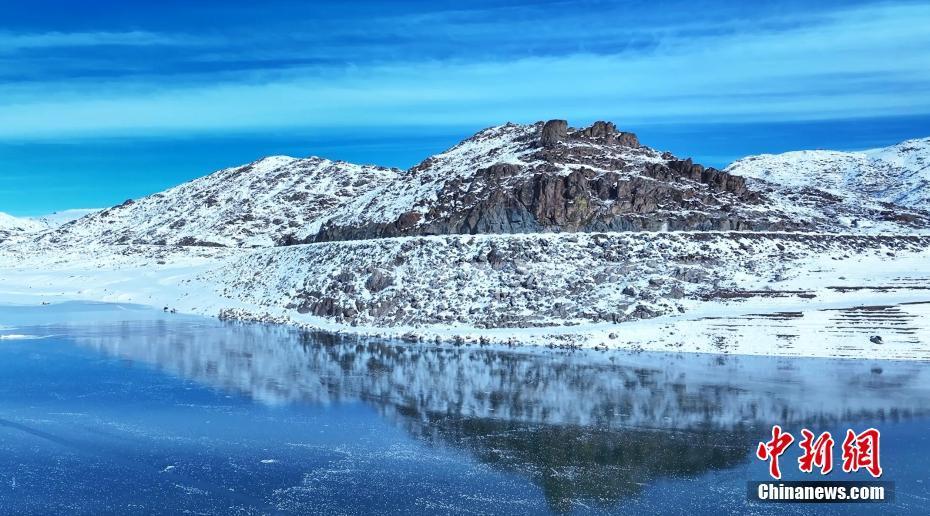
[[277, 365], [583, 425]]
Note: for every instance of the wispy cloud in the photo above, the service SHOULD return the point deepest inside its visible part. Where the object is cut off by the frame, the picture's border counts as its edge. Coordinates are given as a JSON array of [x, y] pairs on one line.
[[13, 41], [867, 61]]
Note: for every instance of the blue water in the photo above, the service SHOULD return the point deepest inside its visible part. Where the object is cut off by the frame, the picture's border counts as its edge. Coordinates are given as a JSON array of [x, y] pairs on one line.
[[120, 409]]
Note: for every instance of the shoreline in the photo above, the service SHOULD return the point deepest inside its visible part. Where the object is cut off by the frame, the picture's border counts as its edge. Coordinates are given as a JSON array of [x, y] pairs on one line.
[[747, 297]]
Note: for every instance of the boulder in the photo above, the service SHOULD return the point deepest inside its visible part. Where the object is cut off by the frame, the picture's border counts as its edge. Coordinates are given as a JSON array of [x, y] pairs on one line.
[[378, 281]]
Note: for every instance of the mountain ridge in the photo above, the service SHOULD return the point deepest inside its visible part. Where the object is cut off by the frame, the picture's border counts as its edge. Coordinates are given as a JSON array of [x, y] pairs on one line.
[[510, 178], [897, 174], [254, 205]]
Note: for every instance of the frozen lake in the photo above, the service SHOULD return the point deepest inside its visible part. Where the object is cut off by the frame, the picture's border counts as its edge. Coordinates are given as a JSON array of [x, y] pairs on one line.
[[121, 409]]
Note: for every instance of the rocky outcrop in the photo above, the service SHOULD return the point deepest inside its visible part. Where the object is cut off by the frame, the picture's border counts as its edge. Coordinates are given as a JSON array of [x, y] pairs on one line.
[[580, 201], [609, 133], [553, 132], [591, 179], [599, 129]]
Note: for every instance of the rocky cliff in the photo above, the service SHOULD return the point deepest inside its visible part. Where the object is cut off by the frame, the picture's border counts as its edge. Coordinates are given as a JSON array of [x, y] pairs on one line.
[[549, 177]]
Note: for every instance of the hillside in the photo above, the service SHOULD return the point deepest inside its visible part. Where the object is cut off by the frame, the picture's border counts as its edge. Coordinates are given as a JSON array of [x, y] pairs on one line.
[[794, 294], [549, 177], [899, 174], [269, 202], [11, 226], [543, 177]]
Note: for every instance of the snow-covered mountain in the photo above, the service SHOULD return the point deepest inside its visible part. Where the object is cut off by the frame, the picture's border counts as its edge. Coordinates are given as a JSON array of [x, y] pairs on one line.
[[272, 201], [539, 234], [16, 226], [899, 174], [542, 177], [549, 177]]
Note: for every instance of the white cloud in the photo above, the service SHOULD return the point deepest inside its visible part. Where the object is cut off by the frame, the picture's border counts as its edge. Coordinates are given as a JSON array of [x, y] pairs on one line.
[[856, 63], [13, 41]]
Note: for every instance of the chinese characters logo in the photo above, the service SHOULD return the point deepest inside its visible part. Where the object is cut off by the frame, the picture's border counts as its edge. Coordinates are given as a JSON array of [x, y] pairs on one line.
[[860, 451]]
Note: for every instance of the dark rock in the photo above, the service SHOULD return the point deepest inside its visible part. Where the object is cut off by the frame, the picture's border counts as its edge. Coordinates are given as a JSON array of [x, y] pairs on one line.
[[495, 257], [607, 130], [628, 140], [599, 129], [190, 241], [597, 193], [345, 277], [553, 132], [325, 307], [378, 281]]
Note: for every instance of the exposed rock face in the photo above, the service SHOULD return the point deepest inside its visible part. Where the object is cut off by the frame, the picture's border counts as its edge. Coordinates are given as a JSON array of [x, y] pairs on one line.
[[599, 129], [608, 132], [553, 133], [550, 178], [378, 281], [627, 140]]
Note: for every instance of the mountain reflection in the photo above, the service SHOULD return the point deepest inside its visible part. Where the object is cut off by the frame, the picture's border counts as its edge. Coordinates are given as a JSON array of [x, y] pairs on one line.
[[582, 425], [573, 463]]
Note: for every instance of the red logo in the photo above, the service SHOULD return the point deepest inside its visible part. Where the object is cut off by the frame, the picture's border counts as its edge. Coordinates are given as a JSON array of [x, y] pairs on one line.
[[860, 451], [773, 449], [816, 453]]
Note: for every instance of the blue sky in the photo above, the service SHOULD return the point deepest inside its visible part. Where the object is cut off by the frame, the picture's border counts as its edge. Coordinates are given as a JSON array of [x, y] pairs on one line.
[[102, 101]]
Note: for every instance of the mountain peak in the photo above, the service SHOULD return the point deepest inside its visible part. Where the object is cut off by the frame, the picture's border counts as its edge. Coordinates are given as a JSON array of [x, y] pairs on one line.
[[273, 200], [558, 131], [510, 178]]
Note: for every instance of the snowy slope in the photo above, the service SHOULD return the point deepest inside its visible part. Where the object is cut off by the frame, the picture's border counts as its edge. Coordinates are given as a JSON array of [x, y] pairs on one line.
[[505, 179], [11, 226], [58, 218], [795, 294], [421, 184], [899, 174], [261, 204]]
